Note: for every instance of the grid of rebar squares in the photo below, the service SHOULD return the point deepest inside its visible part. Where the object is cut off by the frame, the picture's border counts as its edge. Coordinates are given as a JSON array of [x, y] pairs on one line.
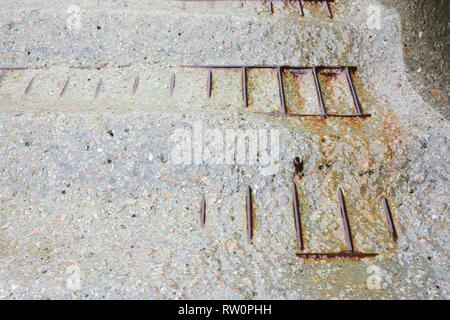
[[351, 252], [297, 163], [284, 112], [269, 3], [297, 71]]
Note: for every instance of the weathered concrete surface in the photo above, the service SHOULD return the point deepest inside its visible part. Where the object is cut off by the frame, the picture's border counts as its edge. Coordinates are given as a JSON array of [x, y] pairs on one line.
[[88, 183], [426, 39]]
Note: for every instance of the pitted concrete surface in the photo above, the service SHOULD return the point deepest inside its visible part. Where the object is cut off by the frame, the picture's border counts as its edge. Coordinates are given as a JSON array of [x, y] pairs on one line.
[[426, 38], [88, 186]]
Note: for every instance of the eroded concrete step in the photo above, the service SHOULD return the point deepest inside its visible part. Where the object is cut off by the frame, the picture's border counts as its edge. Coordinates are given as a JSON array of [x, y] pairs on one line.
[[79, 187], [140, 88], [228, 7], [123, 37]]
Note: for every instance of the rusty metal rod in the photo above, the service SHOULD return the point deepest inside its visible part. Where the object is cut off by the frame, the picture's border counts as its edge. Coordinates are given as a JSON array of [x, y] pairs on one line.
[[265, 67], [64, 89], [244, 86], [300, 7], [203, 211], [249, 213], [209, 83], [270, 5], [323, 112], [136, 84], [297, 218], [345, 221], [281, 89], [330, 255], [300, 115], [390, 220], [99, 87], [327, 8], [356, 104], [172, 83], [30, 85]]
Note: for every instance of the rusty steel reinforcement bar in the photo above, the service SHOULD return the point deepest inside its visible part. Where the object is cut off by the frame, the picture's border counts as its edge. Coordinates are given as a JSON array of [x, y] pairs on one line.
[[99, 88], [297, 218], [300, 7], [389, 219], [136, 84], [244, 86], [209, 83], [249, 213], [356, 103], [64, 89], [172, 83], [323, 112], [30, 85], [331, 255], [269, 4], [345, 222], [203, 211], [328, 9], [350, 252], [281, 89], [329, 115], [297, 70]]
